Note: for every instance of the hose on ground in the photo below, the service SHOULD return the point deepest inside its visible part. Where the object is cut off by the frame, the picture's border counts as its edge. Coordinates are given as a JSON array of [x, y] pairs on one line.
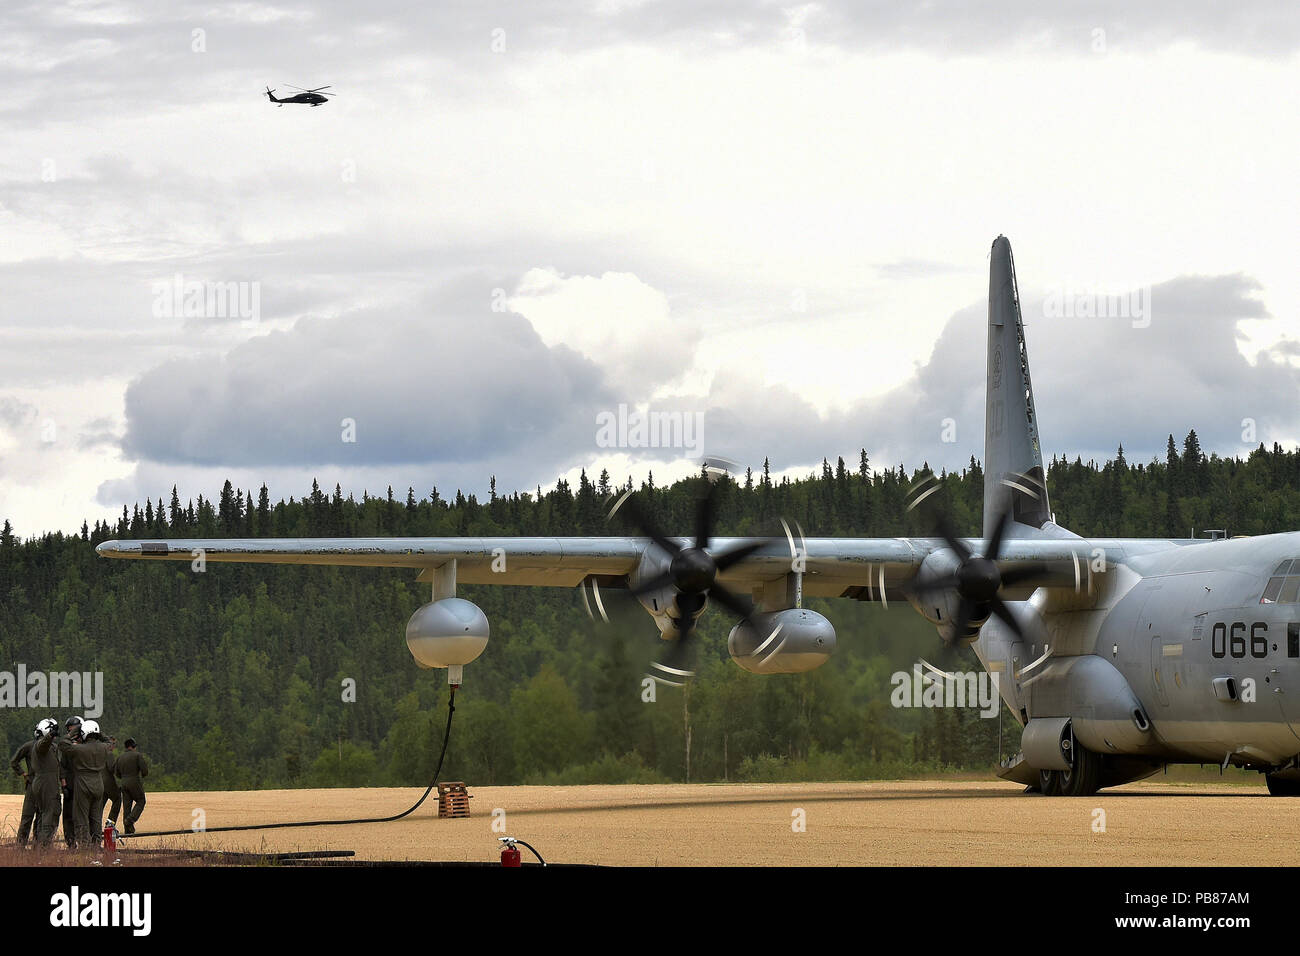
[[446, 737]]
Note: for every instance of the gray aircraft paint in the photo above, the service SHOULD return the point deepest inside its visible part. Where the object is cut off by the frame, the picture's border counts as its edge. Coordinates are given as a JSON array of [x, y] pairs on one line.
[[1013, 459]]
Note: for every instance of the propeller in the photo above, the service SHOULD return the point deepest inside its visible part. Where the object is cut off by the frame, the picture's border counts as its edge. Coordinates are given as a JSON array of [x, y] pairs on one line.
[[317, 90], [692, 572], [977, 579]]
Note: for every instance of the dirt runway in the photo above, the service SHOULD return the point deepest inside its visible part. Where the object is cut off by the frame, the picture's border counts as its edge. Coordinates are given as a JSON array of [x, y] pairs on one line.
[[822, 824]]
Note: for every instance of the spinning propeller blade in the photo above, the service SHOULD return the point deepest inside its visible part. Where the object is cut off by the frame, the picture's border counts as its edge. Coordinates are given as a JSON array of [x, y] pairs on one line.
[[978, 580], [692, 574]]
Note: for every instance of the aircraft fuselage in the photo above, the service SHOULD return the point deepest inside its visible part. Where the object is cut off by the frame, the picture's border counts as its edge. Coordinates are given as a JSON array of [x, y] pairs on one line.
[[1213, 668]]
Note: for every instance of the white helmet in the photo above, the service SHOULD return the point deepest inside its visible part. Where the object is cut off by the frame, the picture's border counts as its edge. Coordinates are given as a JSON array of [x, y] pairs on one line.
[[89, 727], [46, 727]]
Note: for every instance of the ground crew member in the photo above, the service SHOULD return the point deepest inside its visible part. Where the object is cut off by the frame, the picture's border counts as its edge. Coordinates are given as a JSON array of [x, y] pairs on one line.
[[112, 792], [68, 780], [87, 758], [23, 756], [45, 780], [95, 818], [132, 768]]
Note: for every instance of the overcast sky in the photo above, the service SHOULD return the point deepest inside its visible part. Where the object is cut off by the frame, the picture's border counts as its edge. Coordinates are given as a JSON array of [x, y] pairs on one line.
[[515, 218]]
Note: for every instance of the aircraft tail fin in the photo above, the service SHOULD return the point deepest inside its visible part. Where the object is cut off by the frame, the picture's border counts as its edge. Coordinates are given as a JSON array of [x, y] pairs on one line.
[[270, 94], [1013, 460]]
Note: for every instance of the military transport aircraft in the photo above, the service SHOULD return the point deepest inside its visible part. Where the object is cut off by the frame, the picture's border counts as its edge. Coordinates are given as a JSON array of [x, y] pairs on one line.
[[310, 97], [1117, 655]]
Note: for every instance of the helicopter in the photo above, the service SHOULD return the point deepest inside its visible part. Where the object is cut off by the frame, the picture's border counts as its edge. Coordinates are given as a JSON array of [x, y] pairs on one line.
[[312, 97]]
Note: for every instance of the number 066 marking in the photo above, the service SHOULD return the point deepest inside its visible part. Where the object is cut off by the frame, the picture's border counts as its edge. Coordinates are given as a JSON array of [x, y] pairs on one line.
[[1225, 640]]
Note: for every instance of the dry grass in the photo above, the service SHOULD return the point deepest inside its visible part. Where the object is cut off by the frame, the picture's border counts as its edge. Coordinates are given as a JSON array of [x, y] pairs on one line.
[[877, 823]]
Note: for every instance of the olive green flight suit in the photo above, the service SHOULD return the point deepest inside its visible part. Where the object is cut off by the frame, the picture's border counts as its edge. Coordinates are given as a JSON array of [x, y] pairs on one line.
[[131, 769], [24, 755], [45, 787], [112, 792], [69, 781], [87, 761]]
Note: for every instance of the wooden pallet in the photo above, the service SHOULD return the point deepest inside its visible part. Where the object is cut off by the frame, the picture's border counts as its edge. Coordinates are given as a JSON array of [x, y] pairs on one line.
[[453, 799]]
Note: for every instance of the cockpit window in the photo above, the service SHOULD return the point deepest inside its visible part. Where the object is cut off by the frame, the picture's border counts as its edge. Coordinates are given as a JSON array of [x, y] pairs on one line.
[[1284, 586]]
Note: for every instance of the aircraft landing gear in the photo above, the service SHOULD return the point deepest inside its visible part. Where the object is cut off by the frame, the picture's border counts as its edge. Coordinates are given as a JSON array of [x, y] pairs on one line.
[[1282, 787], [1084, 778], [1081, 780], [1049, 783]]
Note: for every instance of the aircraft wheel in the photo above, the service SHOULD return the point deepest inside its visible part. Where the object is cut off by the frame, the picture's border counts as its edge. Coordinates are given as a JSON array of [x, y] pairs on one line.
[[1049, 783], [1084, 778], [1281, 787]]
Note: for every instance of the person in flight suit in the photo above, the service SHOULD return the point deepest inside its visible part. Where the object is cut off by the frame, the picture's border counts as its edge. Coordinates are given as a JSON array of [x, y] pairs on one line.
[[68, 780], [132, 768], [112, 791], [45, 780], [95, 817], [87, 757], [23, 755]]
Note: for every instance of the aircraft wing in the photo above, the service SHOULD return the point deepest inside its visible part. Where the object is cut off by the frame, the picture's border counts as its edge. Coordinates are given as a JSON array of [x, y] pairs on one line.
[[860, 568]]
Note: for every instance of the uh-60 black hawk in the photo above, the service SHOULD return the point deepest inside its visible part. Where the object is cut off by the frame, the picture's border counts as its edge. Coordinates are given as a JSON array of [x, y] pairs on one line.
[[1117, 655], [309, 97]]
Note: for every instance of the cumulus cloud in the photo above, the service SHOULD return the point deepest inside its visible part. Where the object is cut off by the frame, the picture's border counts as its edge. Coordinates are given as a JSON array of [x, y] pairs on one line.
[[16, 413], [1284, 349], [99, 432], [1102, 381], [449, 380], [1098, 382], [616, 320], [453, 389]]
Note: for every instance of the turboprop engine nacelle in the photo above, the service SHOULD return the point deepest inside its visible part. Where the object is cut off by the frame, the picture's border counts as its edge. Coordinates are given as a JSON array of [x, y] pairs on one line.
[[782, 642], [942, 606], [659, 603], [447, 633]]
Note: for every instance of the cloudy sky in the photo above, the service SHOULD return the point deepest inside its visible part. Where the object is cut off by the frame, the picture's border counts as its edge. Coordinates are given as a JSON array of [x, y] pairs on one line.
[[515, 218]]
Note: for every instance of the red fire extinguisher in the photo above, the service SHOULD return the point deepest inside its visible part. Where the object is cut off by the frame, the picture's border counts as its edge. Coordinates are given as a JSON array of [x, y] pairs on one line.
[[510, 853], [110, 839]]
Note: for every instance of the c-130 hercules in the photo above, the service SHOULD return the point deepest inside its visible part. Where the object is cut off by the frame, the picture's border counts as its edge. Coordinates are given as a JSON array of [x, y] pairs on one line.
[[1117, 655]]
